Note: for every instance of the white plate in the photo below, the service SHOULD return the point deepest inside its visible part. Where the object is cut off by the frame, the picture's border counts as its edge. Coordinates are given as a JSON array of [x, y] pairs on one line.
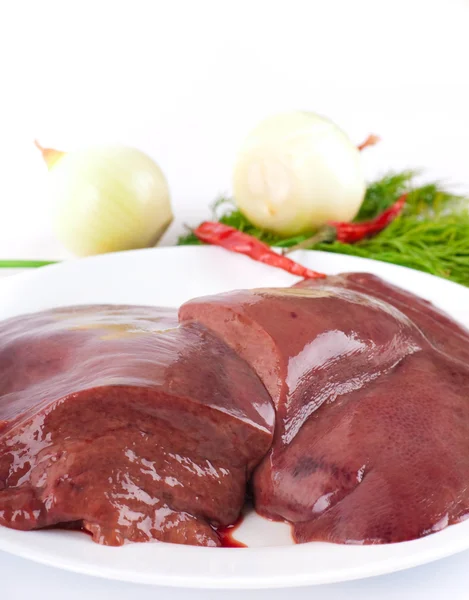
[[169, 276]]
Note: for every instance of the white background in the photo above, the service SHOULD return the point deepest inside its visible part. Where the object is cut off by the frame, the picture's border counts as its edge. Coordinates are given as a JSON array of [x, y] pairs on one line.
[[185, 81]]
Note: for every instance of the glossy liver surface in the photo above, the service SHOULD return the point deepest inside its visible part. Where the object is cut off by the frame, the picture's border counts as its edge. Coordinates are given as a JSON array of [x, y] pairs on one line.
[[342, 402], [118, 418], [371, 389]]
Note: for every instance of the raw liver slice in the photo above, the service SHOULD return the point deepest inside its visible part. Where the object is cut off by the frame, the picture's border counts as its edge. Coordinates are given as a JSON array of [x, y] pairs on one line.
[[119, 418], [372, 431]]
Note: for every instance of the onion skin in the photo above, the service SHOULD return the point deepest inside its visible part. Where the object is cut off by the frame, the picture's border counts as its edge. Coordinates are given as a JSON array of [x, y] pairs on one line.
[[108, 199], [50, 155], [297, 171]]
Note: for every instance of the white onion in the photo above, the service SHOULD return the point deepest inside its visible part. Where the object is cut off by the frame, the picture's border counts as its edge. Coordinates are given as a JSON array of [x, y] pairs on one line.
[[295, 172], [107, 199]]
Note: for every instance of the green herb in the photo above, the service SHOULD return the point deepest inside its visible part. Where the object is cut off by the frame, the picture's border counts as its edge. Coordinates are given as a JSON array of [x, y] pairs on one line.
[[431, 235], [24, 264], [381, 194], [439, 247]]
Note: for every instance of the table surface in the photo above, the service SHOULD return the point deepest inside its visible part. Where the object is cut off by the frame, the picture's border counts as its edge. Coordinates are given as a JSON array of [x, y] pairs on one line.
[[185, 81]]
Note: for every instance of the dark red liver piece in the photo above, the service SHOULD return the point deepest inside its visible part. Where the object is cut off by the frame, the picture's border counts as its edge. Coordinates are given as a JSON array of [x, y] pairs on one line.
[[371, 387], [118, 418]]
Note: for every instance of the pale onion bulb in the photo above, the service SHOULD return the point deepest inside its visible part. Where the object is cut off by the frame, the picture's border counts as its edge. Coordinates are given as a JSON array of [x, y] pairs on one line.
[[108, 198], [295, 172]]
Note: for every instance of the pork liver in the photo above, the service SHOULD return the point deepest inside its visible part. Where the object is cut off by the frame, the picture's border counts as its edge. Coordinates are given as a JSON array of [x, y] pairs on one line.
[[372, 432], [118, 418], [142, 427]]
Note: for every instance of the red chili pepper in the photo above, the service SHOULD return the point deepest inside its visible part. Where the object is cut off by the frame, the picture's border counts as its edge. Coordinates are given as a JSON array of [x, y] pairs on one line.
[[237, 241], [349, 233]]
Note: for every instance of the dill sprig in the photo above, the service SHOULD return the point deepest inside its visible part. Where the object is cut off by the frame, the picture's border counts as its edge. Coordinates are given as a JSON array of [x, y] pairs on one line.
[[439, 247], [431, 235], [382, 193]]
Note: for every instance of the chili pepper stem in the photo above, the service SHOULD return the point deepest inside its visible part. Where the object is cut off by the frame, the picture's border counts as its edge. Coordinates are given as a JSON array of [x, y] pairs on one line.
[[326, 234], [189, 228]]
